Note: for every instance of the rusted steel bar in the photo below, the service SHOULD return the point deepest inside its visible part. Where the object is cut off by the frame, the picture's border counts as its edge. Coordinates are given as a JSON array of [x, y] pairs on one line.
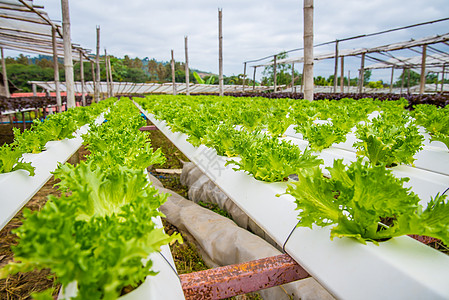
[[148, 128], [228, 281]]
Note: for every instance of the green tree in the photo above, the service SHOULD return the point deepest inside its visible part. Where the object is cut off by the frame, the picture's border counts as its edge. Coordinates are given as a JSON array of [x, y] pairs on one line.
[[45, 63], [409, 77], [320, 80], [283, 72], [152, 67], [367, 77], [22, 59], [135, 75], [20, 74]]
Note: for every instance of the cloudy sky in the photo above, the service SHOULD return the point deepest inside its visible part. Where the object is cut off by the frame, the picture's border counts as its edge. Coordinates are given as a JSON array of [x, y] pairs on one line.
[[251, 29]]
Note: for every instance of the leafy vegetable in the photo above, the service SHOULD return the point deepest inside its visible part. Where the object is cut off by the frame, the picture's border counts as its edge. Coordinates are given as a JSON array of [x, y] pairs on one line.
[[99, 233], [321, 136], [389, 139], [366, 202], [269, 159], [435, 120], [61, 126], [11, 160], [278, 122], [29, 141], [226, 140], [102, 254]]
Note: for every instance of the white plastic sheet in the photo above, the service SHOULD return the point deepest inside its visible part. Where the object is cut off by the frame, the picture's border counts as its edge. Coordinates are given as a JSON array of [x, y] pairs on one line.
[[222, 242]]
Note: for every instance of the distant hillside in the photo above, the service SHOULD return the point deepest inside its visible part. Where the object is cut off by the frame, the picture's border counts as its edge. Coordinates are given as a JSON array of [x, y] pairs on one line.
[[22, 69]]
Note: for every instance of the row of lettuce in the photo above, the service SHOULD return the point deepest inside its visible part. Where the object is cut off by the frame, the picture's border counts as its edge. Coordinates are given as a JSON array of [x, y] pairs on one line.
[[362, 200], [55, 127], [99, 232]]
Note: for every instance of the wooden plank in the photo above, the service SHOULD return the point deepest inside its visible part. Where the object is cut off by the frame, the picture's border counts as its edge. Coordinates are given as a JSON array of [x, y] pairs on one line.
[[238, 279], [169, 171]]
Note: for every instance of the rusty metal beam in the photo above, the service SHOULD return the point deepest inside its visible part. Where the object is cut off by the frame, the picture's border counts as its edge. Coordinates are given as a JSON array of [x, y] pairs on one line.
[[228, 281], [148, 128]]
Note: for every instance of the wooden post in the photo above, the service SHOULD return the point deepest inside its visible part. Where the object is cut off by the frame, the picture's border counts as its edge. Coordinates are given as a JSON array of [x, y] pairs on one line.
[[83, 96], [362, 73], [293, 77], [408, 81], [5, 75], [97, 61], [336, 66], [220, 51], [436, 82], [342, 74], [173, 72], [187, 67], [391, 80], [107, 73], [68, 62], [274, 73], [111, 81], [308, 49], [402, 80], [302, 80], [56, 69], [34, 89], [254, 78], [94, 82], [442, 78], [349, 81], [244, 76], [423, 70]]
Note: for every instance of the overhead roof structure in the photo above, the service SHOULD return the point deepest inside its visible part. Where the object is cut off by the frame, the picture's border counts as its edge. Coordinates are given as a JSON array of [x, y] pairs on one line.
[[26, 27], [145, 88], [442, 58], [434, 63]]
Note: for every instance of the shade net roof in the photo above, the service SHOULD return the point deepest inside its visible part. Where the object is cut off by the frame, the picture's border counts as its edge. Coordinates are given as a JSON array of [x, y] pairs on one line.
[[144, 88], [435, 62], [28, 28]]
